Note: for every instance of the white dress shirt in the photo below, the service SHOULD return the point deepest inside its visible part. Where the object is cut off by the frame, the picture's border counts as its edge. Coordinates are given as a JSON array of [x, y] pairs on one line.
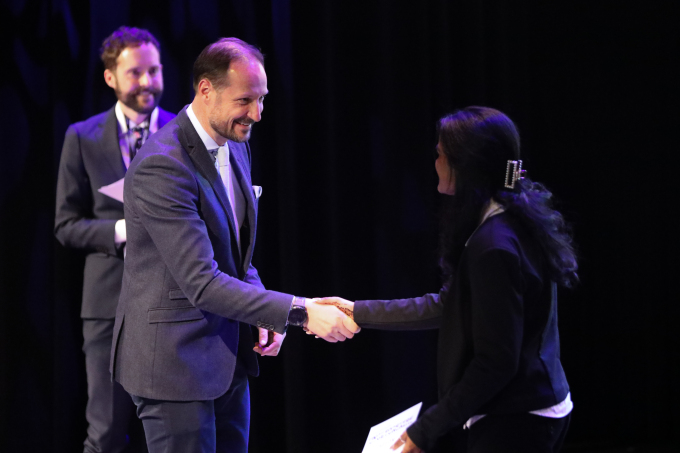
[[120, 235]]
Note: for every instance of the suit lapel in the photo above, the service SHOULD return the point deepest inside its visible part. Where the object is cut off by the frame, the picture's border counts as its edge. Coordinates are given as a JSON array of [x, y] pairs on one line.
[[204, 164], [107, 137], [236, 159]]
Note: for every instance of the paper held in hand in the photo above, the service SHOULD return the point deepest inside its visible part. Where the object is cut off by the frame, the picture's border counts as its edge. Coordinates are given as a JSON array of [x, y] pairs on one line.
[[383, 436], [114, 190]]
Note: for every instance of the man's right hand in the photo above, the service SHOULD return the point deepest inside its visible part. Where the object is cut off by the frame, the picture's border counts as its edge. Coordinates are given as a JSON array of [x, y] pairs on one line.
[[328, 322]]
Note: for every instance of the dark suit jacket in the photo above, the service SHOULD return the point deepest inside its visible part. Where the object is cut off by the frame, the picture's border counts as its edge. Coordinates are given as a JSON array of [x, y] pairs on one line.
[[188, 295], [85, 219], [499, 350]]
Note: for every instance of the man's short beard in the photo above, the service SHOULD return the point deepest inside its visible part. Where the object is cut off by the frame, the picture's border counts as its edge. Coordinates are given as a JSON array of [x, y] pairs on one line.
[[227, 133], [130, 100]]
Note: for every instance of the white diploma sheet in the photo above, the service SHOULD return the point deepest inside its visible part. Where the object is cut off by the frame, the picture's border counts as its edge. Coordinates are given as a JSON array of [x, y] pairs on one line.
[[383, 436], [114, 190]]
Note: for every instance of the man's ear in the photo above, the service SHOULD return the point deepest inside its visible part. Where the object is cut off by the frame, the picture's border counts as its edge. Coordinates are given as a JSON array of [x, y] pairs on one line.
[[110, 78], [205, 88]]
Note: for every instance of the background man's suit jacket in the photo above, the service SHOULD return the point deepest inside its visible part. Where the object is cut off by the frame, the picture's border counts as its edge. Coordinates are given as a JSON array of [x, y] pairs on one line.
[[85, 219], [187, 293]]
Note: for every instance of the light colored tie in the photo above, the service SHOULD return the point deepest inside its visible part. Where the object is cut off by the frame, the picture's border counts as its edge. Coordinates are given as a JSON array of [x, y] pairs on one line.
[[223, 168]]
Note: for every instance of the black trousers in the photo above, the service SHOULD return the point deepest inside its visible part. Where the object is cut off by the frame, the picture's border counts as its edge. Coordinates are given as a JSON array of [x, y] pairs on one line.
[[210, 426], [518, 433], [110, 412]]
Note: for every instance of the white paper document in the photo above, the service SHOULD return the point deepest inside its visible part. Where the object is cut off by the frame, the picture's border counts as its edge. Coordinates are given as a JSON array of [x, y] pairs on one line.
[[383, 436], [114, 190]]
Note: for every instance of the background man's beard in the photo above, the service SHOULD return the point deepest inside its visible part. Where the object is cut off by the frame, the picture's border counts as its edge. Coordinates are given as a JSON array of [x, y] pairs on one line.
[[130, 100]]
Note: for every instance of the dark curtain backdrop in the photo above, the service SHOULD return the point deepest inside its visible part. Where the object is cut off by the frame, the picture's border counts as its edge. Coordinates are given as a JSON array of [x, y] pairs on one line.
[[345, 153]]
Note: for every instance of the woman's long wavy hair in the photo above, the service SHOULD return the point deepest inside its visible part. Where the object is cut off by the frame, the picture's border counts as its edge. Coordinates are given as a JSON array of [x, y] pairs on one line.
[[478, 142]]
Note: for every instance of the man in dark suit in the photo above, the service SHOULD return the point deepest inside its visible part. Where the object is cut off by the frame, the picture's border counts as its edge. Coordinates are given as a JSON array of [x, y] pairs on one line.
[[96, 153], [182, 340]]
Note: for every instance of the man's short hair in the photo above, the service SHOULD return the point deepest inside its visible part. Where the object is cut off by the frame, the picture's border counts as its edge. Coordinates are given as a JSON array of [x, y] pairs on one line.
[[122, 38], [213, 63]]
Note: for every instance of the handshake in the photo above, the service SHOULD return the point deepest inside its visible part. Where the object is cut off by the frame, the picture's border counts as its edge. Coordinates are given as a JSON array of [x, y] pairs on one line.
[[331, 318]]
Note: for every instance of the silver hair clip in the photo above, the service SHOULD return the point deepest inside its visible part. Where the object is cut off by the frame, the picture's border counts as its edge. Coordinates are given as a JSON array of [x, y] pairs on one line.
[[513, 173]]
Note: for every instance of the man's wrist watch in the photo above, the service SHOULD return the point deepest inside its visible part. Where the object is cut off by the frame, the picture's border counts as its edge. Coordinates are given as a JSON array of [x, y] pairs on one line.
[[297, 316]]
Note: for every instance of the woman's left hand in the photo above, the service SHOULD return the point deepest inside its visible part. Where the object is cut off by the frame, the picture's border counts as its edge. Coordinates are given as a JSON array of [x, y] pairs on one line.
[[409, 446]]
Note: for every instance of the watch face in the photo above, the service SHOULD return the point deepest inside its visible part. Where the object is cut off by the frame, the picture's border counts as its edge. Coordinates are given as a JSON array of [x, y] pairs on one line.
[[297, 316]]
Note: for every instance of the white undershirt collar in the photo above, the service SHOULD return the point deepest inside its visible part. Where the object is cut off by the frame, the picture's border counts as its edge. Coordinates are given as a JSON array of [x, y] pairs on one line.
[[120, 116], [491, 209], [205, 137], [123, 131]]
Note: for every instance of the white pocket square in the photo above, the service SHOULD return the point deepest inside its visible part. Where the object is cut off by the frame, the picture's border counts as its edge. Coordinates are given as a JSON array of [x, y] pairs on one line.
[[258, 192]]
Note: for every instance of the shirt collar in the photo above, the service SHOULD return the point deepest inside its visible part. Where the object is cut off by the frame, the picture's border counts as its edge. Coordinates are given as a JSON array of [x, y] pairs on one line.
[[492, 208], [120, 116], [205, 138]]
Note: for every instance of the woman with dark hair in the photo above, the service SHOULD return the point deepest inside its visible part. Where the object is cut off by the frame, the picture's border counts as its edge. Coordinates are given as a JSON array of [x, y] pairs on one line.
[[503, 251]]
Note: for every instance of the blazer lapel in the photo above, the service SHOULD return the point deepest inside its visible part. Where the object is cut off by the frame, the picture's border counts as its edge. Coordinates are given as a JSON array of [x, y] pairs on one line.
[[204, 164], [236, 159], [107, 137]]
